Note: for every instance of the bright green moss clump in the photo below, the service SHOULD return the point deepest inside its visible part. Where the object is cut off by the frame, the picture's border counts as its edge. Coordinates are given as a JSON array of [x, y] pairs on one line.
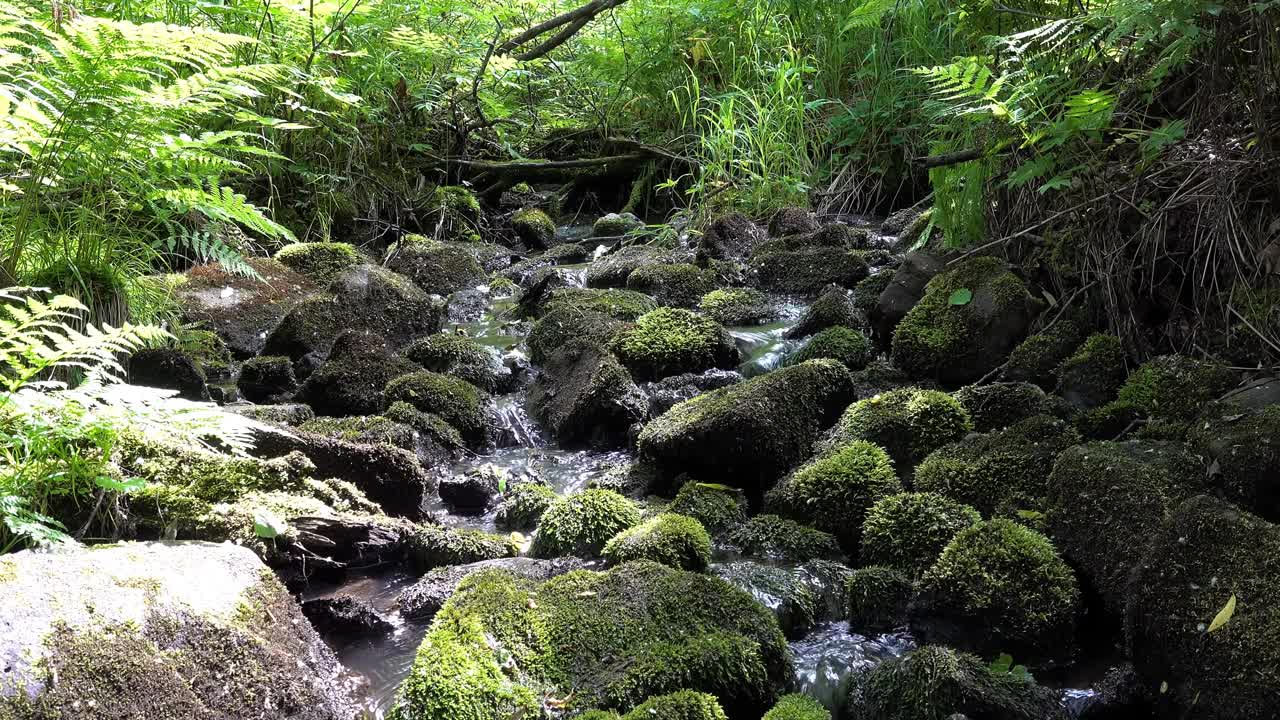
[[798, 707], [320, 261], [717, 507], [846, 345], [674, 540], [907, 531], [999, 587], [432, 546], [523, 505], [736, 306], [835, 491], [581, 524], [683, 705], [618, 304], [908, 423], [534, 227], [878, 599], [670, 342], [779, 538], [459, 356], [460, 403], [675, 285]]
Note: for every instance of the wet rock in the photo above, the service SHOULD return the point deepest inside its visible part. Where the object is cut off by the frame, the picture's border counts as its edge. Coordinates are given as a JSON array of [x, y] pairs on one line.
[[441, 268], [669, 342], [522, 506], [772, 537], [1120, 696], [833, 308], [668, 392], [580, 524], [433, 546], [717, 507], [879, 598], [243, 311], [866, 294], [471, 492], [737, 306], [909, 423], [192, 630], [612, 270], [341, 542], [807, 270], [1093, 374], [676, 285], [798, 707], [584, 396], [534, 228], [908, 531], [729, 237], [344, 618], [266, 378], [169, 370], [676, 541], [903, 292], [1037, 358], [459, 403], [423, 599], [847, 346], [616, 225], [319, 261], [792, 221], [899, 220], [462, 358], [352, 379]]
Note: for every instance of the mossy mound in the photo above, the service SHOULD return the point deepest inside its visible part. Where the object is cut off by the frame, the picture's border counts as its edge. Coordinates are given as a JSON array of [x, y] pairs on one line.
[[800, 597], [908, 531], [835, 491], [937, 683], [612, 270], [1209, 553], [677, 541], [736, 306], [352, 379], [749, 434], [266, 378], [866, 294], [320, 261], [1003, 472], [523, 506], [169, 369], [999, 405], [676, 285], [669, 342], [682, 705], [909, 423], [999, 587], [1105, 502], [367, 429], [779, 538], [808, 270], [454, 211], [729, 237], [845, 345], [1175, 388], [432, 546], [461, 357], [436, 267], [534, 228], [717, 507], [878, 599], [792, 221], [436, 437], [580, 524], [626, 305], [797, 707], [1036, 359], [562, 325], [616, 225], [584, 396], [833, 308], [1242, 448], [1094, 373], [460, 403], [966, 324], [604, 640]]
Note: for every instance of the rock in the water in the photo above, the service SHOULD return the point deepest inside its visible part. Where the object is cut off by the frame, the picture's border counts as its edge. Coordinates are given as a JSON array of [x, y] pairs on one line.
[[586, 397], [242, 310], [909, 423], [352, 379], [1037, 358], [423, 599], [800, 597], [441, 268], [461, 357], [461, 404], [669, 342], [792, 221], [749, 434], [293, 414], [676, 285], [432, 546], [676, 541], [612, 270], [776, 538], [170, 370], [472, 491], [344, 618], [580, 524], [807, 270], [616, 225], [908, 531], [717, 507], [730, 237], [522, 506], [319, 261], [189, 630], [1121, 696], [668, 392], [833, 308], [534, 228], [878, 599], [737, 306], [266, 378], [850, 347]]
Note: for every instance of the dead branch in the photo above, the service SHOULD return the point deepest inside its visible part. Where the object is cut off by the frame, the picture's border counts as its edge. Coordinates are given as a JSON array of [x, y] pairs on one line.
[[568, 24]]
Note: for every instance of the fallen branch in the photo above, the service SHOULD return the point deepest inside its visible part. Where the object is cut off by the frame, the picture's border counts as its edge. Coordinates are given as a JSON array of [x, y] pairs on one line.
[[568, 24]]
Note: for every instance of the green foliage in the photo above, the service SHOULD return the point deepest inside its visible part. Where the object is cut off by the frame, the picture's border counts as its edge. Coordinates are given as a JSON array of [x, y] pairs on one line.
[[717, 507], [908, 423], [847, 345], [779, 538]]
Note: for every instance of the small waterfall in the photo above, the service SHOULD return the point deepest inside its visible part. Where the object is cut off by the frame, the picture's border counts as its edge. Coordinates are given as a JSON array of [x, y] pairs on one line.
[[515, 428]]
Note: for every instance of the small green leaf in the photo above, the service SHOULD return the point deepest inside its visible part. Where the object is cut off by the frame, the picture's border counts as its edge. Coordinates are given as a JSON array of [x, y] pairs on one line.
[[267, 525], [1224, 615], [963, 296]]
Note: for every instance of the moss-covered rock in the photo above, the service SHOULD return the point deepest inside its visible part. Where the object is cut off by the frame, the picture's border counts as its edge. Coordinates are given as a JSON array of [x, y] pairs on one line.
[[1241, 446], [320, 261], [453, 213], [966, 324], [266, 378], [437, 439], [904, 291], [1094, 372], [437, 267], [612, 270], [936, 683], [835, 491], [461, 357], [616, 225], [562, 325], [908, 531], [682, 705], [669, 342], [999, 587], [808, 270], [1209, 553], [461, 404], [800, 597], [778, 538], [364, 429], [1105, 502], [749, 434], [584, 396], [675, 285], [168, 369], [833, 308], [729, 237], [364, 297], [798, 707], [878, 599], [432, 546], [581, 523], [717, 507], [999, 405], [736, 306], [792, 221], [292, 414], [626, 305], [602, 640], [534, 228], [674, 540], [1175, 388], [522, 506], [1036, 359], [909, 423], [850, 347], [1004, 472], [352, 379], [867, 292]]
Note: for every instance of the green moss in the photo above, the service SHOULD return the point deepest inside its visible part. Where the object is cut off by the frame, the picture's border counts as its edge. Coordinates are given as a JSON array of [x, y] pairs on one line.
[[1094, 373], [431, 427], [683, 705], [935, 683], [675, 285], [523, 506], [999, 587], [454, 212], [613, 269], [775, 537], [534, 227], [616, 225], [835, 491], [581, 523], [562, 325], [959, 343], [436, 267], [459, 356], [320, 261], [208, 350], [669, 342], [352, 380], [833, 308], [717, 507], [908, 423], [908, 531], [460, 403], [1175, 387], [1240, 444], [797, 707], [618, 304], [678, 541], [878, 599], [808, 270], [1261, 310], [866, 294], [363, 429], [432, 546], [999, 405], [846, 345], [1036, 359], [736, 306], [1004, 471]]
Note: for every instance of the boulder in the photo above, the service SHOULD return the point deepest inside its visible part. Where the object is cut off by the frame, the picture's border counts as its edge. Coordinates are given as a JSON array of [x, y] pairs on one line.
[[676, 541], [792, 221], [801, 597], [364, 429], [909, 423], [461, 357], [667, 392], [534, 228], [586, 397], [845, 345], [292, 414], [903, 292], [878, 599], [618, 304], [612, 270], [676, 285], [471, 492], [423, 599], [452, 212], [998, 405], [169, 370], [1093, 374], [1036, 359], [580, 524], [669, 342], [737, 306], [352, 379], [561, 326], [319, 261], [190, 630], [522, 506], [459, 403], [807, 270], [342, 618], [798, 707], [866, 294], [433, 546], [908, 531], [1241, 446], [772, 537], [437, 267], [266, 378], [717, 507], [729, 237], [833, 308], [616, 225], [242, 310]]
